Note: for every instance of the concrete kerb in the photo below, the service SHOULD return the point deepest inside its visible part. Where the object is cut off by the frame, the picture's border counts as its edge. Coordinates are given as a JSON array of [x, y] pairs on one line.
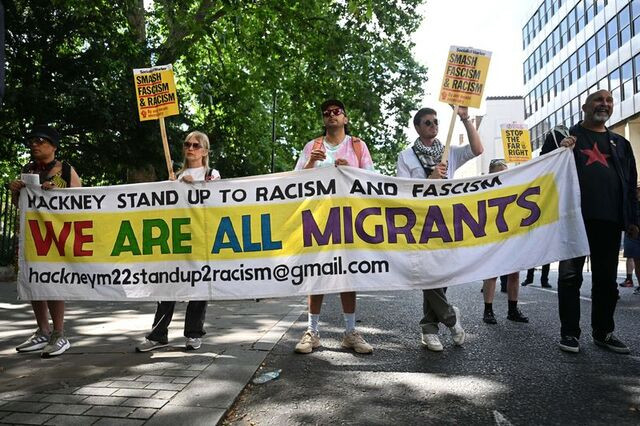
[[102, 374]]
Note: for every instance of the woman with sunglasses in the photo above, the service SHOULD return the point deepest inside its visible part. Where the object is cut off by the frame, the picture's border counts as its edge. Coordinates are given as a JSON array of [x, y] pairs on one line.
[[335, 148], [513, 279], [195, 168]]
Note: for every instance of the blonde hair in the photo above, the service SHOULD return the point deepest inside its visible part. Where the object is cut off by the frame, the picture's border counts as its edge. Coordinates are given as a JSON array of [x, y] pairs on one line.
[[203, 140]]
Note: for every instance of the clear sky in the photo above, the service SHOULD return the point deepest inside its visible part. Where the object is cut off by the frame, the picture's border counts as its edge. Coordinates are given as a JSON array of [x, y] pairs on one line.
[[493, 25]]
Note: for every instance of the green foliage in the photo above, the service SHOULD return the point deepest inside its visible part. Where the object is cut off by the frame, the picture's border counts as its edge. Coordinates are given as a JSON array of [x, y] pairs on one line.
[[70, 64]]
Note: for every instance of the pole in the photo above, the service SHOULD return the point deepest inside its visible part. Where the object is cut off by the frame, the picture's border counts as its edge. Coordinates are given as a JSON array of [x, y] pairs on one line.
[[273, 132], [165, 145], [445, 154]]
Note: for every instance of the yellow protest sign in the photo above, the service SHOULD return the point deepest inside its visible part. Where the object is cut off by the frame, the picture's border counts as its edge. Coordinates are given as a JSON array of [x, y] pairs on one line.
[[516, 142], [465, 76], [155, 92]]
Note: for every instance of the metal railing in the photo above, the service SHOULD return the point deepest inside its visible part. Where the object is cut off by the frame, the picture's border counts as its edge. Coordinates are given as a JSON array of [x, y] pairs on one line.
[[8, 220]]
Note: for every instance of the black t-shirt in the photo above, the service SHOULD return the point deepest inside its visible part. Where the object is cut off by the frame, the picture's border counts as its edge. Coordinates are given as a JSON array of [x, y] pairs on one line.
[[600, 186]]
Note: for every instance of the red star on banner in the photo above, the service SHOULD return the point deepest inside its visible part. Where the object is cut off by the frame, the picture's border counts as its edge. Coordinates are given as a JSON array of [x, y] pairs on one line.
[[595, 156]]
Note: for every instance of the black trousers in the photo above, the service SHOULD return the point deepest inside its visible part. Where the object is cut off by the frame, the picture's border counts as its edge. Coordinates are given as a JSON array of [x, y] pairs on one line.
[[604, 243], [545, 274], [193, 322]]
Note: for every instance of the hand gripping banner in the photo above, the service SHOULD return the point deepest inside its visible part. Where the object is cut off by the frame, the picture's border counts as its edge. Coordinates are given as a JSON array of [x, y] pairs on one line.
[[315, 231]]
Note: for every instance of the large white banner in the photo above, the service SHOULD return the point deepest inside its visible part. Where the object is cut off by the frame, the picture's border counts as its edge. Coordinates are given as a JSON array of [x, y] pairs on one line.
[[310, 232]]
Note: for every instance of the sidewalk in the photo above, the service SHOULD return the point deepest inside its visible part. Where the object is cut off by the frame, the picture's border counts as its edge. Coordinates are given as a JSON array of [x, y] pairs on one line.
[[102, 381]]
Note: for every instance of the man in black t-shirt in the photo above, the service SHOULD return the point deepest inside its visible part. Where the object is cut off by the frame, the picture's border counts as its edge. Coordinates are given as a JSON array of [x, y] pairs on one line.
[[607, 176]]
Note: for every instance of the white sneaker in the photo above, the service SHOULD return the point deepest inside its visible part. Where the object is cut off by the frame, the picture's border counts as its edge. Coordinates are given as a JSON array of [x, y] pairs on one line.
[[432, 342], [457, 332], [149, 345], [356, 342], [308, 343], [193, 343]]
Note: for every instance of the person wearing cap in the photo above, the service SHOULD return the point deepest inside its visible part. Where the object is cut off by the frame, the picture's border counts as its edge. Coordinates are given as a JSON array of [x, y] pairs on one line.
[[335, 148], [513, 279], [44, 141], [423, 160], [607, 176]]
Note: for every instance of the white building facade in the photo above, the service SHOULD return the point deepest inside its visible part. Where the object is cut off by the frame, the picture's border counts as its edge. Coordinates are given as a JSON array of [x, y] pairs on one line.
[[573, 48]]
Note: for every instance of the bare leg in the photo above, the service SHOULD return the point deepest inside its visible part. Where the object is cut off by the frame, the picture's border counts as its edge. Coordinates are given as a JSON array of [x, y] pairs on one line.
[[42, 315], [348, 302], [56, 308], [315, 303], [630, 264], [512, 286], [489, 290]]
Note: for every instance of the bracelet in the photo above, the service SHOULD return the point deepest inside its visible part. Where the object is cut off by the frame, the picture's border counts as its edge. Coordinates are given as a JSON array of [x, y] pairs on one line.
[[464, 120]]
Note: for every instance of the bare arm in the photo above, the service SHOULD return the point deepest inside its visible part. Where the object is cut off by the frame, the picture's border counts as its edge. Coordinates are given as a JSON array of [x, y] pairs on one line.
[[472, 133]]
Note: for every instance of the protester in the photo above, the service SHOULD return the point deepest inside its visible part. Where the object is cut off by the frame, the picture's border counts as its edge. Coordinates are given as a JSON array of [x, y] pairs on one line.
[[44, 141], [607, 175], [423, 160], [196, 168], [513, 279], [337, 148], [632, 254], [544, 278]]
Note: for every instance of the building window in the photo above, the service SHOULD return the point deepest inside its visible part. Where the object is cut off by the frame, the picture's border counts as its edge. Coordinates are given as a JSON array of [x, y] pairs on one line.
[[589, 10], [612, 32], [636, 66], [579, 16], [573, 68], [624, 25], [626, 75], [582, 60], [601, 44], [635, 16], [614, 84], [591, 52]]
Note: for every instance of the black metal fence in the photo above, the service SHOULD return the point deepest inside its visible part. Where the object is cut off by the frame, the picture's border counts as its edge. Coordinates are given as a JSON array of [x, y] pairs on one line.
[[8, 220]]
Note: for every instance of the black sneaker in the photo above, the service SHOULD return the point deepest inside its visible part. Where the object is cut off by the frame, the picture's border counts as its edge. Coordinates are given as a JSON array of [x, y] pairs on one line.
[[526, 283], [545, 284], [612, 343], [517, 316], [569, 344], [489, 317]]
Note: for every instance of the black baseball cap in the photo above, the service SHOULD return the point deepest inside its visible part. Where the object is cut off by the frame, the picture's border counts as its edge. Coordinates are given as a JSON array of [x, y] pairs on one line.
[[329, 102], [46, 132]]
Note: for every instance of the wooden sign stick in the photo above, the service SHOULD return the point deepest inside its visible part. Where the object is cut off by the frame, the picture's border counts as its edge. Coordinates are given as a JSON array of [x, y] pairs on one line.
[[165, 145], [445, 154]]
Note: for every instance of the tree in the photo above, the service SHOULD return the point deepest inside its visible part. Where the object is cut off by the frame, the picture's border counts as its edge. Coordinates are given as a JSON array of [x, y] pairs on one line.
[[232, 58]]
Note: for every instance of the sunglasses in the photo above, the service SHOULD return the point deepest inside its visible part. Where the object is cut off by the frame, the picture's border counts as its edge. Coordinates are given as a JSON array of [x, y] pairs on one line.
[[333, 111], [188, 145], [430, 123]]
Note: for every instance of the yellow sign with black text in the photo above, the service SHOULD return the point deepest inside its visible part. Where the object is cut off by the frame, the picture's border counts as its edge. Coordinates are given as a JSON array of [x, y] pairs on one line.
[[155, 92], [464, 76], [516, 142]]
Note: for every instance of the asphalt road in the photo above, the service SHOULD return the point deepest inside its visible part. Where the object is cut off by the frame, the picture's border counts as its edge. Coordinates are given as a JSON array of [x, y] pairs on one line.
[[509, 373]]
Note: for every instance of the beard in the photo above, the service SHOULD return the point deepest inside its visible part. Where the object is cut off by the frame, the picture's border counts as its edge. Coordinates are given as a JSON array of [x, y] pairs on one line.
[[600, 117]]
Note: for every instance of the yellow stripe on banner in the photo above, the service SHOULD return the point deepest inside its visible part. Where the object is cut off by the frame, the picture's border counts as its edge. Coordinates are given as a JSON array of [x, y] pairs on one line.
[[425, 222]]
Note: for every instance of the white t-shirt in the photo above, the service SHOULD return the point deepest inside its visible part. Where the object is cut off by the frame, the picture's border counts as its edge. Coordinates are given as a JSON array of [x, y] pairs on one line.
[[199, 173], [409, 166]]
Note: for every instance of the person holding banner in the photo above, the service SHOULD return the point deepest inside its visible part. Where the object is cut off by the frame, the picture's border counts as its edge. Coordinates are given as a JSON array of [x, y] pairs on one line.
[[335, 148], [607, 175], [423, 160], [195, 168], [44, 141], [513, 279]]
